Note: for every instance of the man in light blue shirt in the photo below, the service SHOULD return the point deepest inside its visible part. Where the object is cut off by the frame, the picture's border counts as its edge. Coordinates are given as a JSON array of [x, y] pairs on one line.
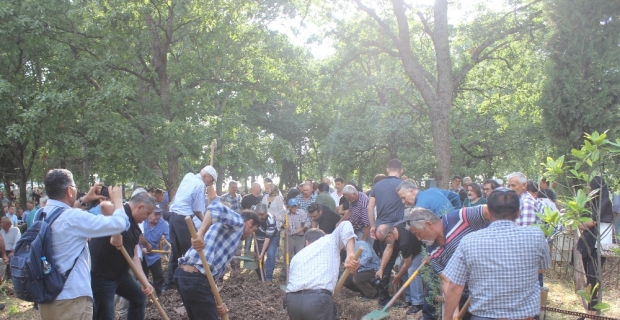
[[189, 201], [70, 233], [11, 214], [154, 228], [369, 264]]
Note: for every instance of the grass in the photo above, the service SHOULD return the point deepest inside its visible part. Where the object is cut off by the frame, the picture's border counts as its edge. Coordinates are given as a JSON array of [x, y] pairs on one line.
[[562, 296]]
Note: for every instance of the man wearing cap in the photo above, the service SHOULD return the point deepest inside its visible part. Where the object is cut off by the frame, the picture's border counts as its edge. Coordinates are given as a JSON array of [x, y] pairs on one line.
[[298, 223], [188, 201], [500, 264], [154, 228]]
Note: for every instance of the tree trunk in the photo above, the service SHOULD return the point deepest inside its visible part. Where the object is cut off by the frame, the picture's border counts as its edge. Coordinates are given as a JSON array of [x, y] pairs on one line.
[[171, 179], [22, 187]]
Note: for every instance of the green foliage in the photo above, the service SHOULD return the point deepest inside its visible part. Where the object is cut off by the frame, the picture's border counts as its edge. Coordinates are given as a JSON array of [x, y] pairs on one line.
[[581, 90], [588, 295]]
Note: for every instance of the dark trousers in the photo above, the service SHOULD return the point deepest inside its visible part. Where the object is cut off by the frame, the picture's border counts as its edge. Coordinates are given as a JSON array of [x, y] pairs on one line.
[[126, 287], [310, 305], [384, 294], [180, 241], [360, 282], [196, 295], [158, 274], [589, 268]]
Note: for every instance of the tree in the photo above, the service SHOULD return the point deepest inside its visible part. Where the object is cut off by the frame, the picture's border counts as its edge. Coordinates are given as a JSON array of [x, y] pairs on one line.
[[435, 66], [581, 93]]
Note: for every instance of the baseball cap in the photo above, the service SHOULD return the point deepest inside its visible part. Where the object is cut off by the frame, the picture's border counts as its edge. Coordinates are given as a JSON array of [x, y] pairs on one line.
[[292, 202], [503, 201], [157, 208]]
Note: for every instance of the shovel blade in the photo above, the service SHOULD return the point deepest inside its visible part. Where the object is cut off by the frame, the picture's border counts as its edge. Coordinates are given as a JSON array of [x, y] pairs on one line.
[[376, 315]]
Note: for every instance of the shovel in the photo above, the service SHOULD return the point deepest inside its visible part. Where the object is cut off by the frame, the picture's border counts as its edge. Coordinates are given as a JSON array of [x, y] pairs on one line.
[[283, 286], [464, 309], [380, 314], [346, 272], [205, 265], [260, 262], [144, 283]]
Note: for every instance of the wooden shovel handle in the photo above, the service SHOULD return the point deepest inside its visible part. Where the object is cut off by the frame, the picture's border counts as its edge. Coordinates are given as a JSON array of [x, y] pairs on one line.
[[400, 291], [346, 273], [143, 282], [205, 265], [464, 309], [260, 261]]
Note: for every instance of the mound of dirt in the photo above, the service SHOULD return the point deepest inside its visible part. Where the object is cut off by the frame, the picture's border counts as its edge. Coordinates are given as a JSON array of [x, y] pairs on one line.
[[248, 298]]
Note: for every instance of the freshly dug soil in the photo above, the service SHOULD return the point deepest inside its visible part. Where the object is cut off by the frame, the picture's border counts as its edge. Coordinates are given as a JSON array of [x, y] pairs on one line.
[[248, 298]]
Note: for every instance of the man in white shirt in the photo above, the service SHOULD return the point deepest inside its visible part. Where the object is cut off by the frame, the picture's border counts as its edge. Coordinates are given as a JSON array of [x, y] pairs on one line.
[[314, 273], [69, 234], [337, 194], [10, 235]]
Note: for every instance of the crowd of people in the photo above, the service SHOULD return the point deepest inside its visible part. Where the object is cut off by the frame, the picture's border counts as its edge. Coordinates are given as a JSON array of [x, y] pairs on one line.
[[479, 237]]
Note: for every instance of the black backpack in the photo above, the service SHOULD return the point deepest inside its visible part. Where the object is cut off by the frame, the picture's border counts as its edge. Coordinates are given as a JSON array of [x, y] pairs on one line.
[[29, 280]]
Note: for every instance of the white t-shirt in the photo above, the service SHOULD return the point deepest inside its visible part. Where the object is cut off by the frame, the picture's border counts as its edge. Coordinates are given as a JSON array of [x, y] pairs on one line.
[[10, 238]]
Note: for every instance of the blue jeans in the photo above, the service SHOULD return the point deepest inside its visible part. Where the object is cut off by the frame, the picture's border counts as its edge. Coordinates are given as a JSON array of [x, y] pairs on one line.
[[196, 295], [415, 293], [126, 287], [272, 253]]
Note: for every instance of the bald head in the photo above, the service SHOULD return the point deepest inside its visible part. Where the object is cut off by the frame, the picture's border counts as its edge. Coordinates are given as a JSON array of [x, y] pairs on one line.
[[383, 231], [255, 189]]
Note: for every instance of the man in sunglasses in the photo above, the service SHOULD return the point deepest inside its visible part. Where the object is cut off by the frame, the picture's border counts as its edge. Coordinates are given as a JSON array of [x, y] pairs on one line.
[[442, 234]]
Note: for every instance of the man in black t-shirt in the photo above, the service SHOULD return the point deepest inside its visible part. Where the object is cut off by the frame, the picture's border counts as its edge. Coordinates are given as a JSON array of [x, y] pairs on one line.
[[110, 271], [397, 240], [324, 217], [253, 198]]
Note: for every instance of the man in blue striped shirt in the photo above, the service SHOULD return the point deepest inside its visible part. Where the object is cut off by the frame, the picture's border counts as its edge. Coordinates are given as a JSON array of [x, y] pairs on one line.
[[218, 237], [188, 201]]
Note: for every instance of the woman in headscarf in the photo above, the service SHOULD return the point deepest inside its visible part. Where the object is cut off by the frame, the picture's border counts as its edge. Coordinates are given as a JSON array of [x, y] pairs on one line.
[[602, 215]]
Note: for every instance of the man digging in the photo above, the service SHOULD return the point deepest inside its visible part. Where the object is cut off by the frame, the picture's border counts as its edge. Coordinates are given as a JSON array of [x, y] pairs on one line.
[[314, 273], [219, 235]]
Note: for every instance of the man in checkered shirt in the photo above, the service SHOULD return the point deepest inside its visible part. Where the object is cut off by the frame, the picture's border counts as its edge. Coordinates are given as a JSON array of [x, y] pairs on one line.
[[518, 182], [219, 235], [500, 265], [314, 273]]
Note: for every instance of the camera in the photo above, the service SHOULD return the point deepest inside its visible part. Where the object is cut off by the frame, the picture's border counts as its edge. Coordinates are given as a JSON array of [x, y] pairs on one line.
[[378, 283], [104, 191]]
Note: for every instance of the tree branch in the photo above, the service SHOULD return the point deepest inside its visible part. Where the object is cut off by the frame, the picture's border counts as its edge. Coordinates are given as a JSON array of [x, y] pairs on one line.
[[374, 16]]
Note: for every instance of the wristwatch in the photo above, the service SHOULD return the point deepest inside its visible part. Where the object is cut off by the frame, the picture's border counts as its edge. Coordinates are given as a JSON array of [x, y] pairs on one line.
[[81, 202]]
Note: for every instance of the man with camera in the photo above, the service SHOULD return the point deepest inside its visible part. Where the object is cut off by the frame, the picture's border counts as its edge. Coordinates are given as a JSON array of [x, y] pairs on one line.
[[69, 235], [188, 201]]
